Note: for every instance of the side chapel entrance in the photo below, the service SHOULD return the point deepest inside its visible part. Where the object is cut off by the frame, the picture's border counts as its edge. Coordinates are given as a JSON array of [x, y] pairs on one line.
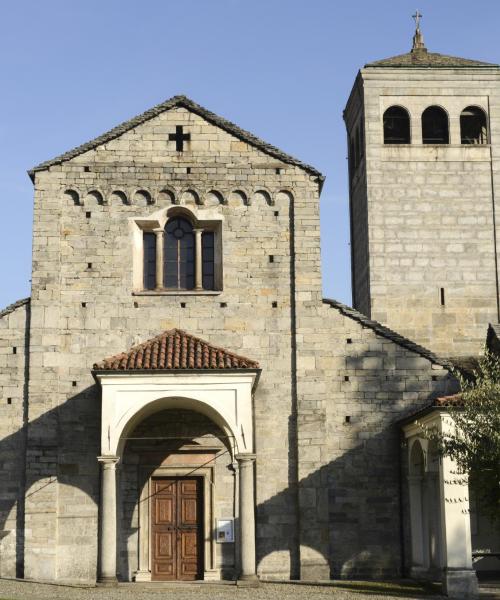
[[176, 527]]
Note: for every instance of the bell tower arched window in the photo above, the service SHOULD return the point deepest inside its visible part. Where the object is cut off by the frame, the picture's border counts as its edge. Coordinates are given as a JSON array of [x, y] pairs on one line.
[[435, 128], [182, 257], [473, 128], [396, 126]]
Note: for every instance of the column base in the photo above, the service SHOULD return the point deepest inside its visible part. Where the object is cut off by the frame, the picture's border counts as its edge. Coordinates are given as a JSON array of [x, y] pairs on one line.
[[248, 581], [142, 576], [460, 584], [211, 575], [107, 581], [417, 572]]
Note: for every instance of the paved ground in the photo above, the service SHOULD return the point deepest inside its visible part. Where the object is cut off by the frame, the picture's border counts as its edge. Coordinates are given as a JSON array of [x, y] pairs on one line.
[[21, 590]]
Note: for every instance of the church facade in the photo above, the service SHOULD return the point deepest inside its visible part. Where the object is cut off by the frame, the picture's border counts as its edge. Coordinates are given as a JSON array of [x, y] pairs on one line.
[[178, 400]]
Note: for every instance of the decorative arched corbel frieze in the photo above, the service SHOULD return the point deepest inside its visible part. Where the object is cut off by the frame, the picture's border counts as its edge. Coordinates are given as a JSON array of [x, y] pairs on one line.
[[119, 195], [141, 197], [264, 194], [240, 194], [74, 195], [284, 192], [191, 195], [214, 194], [96, 194], [166, 196]]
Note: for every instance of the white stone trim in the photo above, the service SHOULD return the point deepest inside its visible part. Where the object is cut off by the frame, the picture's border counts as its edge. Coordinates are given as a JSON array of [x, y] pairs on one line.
[[439, 512], [224, 397]]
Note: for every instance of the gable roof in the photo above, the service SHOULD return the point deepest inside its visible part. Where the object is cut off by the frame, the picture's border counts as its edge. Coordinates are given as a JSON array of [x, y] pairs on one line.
[[389, 334], [176, 102], [12, 307], [175, 349], [420, 58]]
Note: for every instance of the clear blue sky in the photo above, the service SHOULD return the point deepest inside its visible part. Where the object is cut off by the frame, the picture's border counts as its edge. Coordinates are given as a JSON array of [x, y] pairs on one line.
[[282, 69]]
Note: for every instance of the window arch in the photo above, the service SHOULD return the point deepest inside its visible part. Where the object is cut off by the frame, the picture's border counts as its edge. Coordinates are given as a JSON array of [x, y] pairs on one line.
[[396, 126], [180, 257], [473, 126], [435, 128]]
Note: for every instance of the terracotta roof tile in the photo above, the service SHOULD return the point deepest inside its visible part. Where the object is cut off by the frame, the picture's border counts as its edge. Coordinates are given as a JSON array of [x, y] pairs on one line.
[[175, 349], [453, 400]]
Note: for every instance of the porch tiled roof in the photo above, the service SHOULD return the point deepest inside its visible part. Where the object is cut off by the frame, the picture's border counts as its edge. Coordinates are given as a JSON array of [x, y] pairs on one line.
[[445, 401], [175, 349]]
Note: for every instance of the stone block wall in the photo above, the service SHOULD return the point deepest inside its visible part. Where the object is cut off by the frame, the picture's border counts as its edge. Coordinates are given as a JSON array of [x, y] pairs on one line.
[[430, 210], [14, 324], [322, 507], [357, 383], [84, 214]]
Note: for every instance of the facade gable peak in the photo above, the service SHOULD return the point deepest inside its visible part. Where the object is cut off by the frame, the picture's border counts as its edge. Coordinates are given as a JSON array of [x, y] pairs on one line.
[[179, 102]]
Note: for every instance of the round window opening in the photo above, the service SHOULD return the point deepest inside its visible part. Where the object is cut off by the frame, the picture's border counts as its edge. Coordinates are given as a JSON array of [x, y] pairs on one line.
[[178, 233]]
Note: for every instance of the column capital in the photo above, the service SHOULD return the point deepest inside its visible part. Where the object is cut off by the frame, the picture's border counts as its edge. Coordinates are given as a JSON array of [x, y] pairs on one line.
[[198, 230], [159, 230], [245, 457], [415, 478], [108, 461]]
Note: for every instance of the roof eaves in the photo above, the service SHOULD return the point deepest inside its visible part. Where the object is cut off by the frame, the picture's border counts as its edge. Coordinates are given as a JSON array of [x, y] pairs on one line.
[[180, 101], [12, 307], [389, 334], [429, 60]]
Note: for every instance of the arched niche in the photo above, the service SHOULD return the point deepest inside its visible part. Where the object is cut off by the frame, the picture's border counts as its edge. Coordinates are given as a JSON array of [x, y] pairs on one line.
[[416, 459]]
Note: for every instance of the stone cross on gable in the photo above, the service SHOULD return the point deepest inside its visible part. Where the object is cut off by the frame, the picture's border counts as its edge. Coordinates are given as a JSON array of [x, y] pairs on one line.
[[179, 137]]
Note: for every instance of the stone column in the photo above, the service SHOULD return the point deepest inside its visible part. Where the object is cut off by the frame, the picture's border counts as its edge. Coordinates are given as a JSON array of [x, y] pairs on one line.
[[107, 532], [247, 516], [143, 572], [460, 579], [159, 257], [198, 261], [416, 524]]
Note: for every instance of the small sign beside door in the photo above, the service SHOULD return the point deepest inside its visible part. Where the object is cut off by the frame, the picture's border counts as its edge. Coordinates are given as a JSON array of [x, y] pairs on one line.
[[225, 530]]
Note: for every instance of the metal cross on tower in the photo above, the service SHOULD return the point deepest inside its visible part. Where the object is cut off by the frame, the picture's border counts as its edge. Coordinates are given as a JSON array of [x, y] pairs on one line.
[[417, 16], [179, 137]]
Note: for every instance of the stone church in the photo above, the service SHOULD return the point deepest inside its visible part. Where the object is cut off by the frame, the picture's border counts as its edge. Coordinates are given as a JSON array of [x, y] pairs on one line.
[[178, 400]]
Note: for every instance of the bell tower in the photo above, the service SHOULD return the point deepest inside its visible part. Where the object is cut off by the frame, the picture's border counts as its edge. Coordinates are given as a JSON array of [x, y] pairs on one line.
[[424, 183]]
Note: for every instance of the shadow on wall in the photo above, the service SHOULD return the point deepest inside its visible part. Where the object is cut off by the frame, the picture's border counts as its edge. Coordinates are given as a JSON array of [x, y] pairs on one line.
[[60, 447], [350, 509]]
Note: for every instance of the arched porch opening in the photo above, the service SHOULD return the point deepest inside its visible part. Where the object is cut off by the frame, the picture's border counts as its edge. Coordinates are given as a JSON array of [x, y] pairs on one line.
[[166, 532]]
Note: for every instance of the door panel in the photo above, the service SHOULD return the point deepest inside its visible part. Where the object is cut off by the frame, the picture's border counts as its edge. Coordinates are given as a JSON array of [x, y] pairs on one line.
[[176, 529]]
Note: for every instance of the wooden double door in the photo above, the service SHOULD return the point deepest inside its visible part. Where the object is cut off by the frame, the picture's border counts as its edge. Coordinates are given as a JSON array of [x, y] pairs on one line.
[[177, 528]]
